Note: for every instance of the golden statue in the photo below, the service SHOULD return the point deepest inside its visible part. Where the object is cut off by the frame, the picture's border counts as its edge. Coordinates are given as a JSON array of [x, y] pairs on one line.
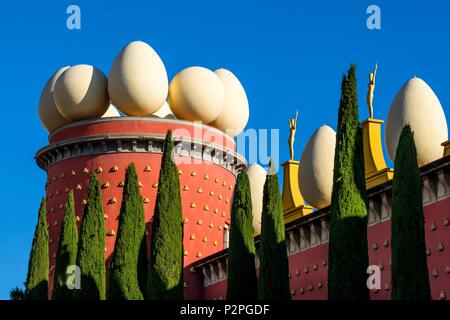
[[292, 127], [371, 88]]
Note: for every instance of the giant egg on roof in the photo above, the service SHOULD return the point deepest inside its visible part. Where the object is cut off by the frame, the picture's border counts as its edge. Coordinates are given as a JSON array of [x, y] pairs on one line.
[[81, 93], [196, 94], [234, 116], [417, 105], [138, 83], [257, 177], [164, 111], [50, 117], [315, 175], [112, 112]]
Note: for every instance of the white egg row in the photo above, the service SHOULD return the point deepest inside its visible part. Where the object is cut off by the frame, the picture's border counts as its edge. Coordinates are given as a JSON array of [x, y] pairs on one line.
[[138, 86], [415, 104]]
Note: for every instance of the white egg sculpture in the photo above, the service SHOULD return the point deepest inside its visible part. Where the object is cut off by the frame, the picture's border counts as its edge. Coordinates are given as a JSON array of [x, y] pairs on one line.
[[111, 112], [164, 112], [81, 93], [315, 175], [196, 94], [417, 105], [138, 82], [257, 177], [234, 116], [50, 117]]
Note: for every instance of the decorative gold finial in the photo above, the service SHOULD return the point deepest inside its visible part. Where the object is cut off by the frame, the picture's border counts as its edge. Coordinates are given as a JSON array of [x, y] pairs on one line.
[[371, 89], [292, 127]]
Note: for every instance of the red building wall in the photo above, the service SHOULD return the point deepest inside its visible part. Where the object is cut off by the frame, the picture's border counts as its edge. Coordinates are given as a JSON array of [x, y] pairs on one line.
[[308, 269], [206, 188]]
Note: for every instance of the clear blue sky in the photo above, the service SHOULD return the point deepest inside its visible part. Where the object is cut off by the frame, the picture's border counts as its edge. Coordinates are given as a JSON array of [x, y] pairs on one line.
[[287, 54]]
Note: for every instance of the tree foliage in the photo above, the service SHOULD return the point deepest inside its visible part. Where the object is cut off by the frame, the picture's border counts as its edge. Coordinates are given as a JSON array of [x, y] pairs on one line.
[[242, 282], [274, 271], [348, 255], [36, 286], [409, 262], [91, 247], [67, 251], [165, 275], [123, 281]]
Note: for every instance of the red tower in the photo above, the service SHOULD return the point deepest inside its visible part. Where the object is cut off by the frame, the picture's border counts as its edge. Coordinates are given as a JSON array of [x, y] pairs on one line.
[[205, 157]]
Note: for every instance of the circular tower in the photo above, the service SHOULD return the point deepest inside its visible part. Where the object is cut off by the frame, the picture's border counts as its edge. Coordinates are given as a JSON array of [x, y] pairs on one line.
[[205, 157]]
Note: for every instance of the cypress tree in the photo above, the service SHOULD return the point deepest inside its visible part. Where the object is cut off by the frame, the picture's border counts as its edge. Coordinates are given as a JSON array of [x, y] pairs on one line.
[[409, 262], [165, 275], [348, 255], [143, 266], [91, 247], [36, 286], [242, 283], [123, 280], [16, 294], [274, 271], [67, 251]]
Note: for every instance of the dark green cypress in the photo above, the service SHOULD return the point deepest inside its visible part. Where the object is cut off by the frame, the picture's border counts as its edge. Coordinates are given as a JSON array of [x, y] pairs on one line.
[[409, 262], [242, 283], [36, 286], [165, 275], [91, 246], [274, 270], [348, 255], [123, 283], [143, 266], [16, 294], [67, 251]]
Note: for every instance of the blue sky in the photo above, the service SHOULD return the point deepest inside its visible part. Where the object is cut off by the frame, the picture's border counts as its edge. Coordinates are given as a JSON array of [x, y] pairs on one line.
[[287, 54]]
